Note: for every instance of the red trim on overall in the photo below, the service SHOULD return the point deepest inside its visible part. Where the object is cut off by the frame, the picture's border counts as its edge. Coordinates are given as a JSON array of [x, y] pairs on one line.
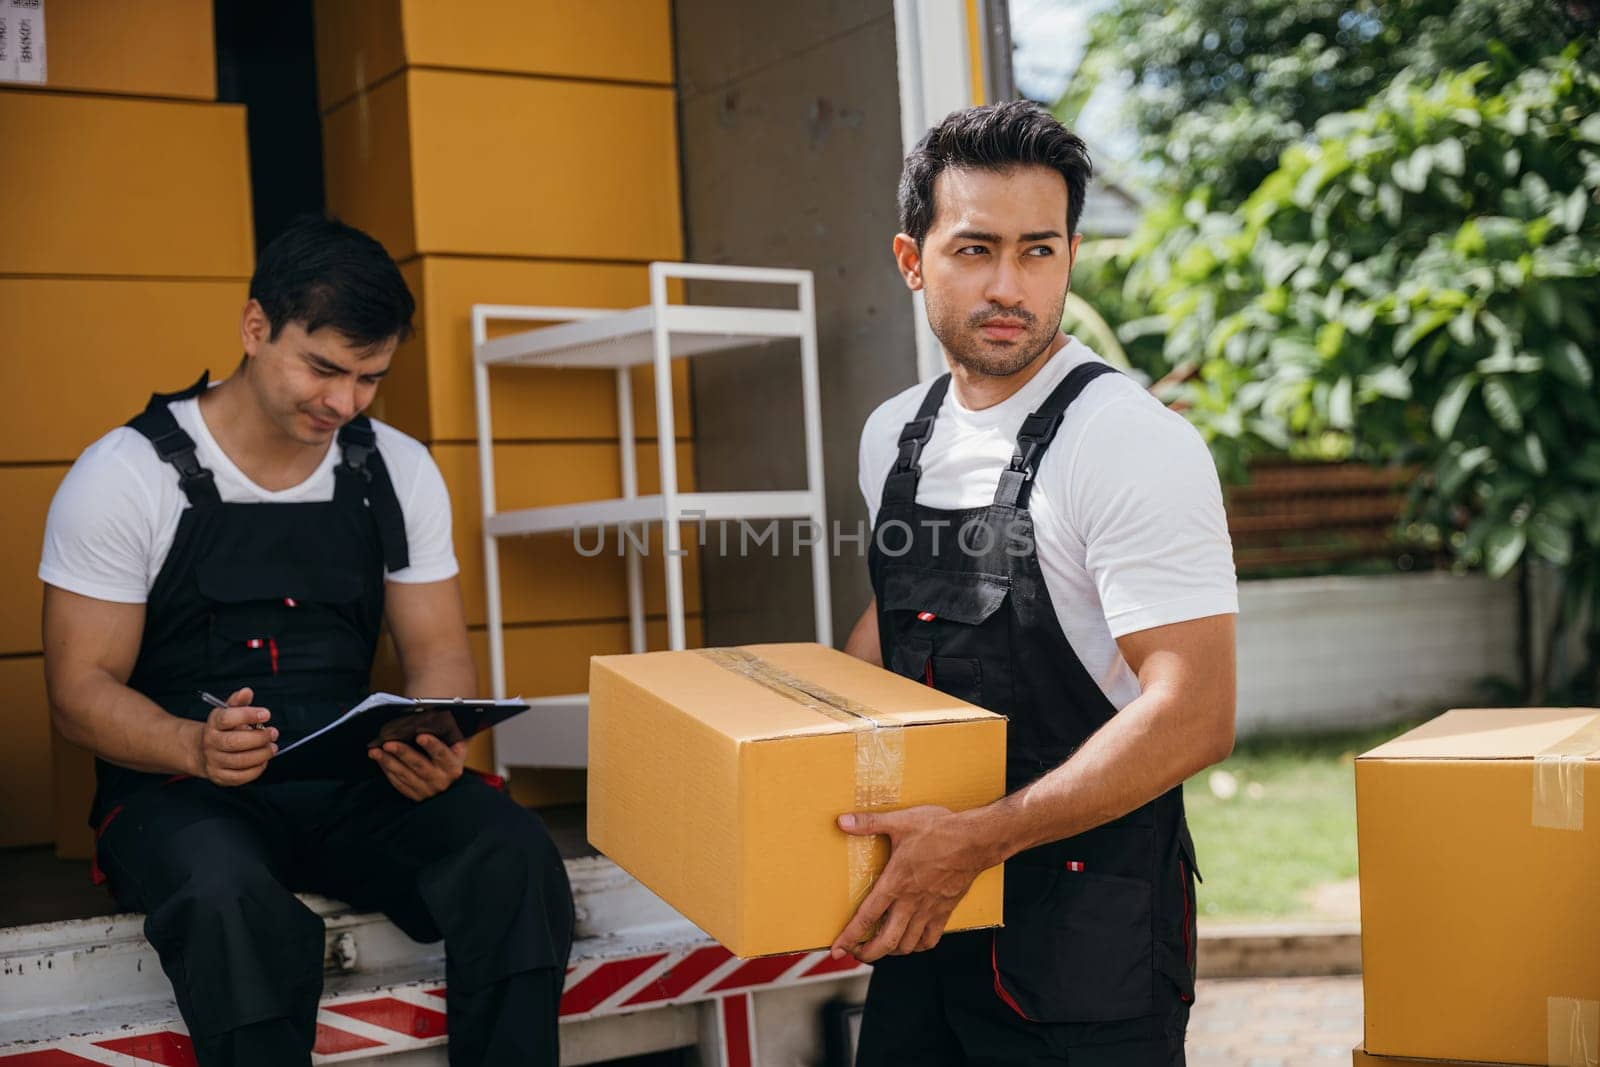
[[1000, 990], [272, 651], [927, 671], [96, 875], [493, 781]]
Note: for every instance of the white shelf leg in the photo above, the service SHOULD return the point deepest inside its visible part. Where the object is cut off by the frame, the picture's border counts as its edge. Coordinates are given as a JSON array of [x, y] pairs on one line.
[[666, 441], [630, 489], [491, 546], [811, 393]]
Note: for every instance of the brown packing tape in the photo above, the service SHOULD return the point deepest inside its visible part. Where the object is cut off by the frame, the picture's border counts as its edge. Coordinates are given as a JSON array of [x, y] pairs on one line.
[[1558, 774], [880, 750], [1574, 1032]]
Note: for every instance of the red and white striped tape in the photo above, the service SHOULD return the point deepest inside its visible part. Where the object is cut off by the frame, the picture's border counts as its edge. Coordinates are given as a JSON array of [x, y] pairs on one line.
[[362, 1025]]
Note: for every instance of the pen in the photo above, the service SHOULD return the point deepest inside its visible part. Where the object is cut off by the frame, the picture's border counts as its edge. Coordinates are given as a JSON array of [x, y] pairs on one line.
[[214, 702]]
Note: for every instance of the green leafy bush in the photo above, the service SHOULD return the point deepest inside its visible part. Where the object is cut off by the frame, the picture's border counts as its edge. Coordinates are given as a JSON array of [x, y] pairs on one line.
[[1416, 281]]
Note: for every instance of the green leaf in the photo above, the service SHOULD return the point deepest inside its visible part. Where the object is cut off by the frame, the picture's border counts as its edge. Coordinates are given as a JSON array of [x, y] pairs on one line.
[[1550, 539], [1391, 381], [1568, 363], [1340, 409], [1529, 454], [1586, 465], [1503, 549], [1448, 410], [1589, 128], [1412, 174], [1389, 202], [1574, 208], [1462, 328], [1505, 362], [1420, 327], [1450, 156], [1502, 405], [1548, 303]]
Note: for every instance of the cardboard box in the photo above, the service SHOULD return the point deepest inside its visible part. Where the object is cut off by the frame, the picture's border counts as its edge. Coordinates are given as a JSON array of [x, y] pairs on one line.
[[1360, 1057], [485, 165], [1480, 868], [716, 777], [58, 330], [25, 791], [151, 48], [27, 491], [72, 790], [361, 42], [113, 186]]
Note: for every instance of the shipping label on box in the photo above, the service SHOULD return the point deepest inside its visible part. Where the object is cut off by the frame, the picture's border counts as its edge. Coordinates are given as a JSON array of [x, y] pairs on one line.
[[22, 55], [1479, 839], [716, 777]]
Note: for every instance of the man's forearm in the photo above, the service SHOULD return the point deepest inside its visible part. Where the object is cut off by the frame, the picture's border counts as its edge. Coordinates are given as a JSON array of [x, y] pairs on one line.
[[1152, 745], [863, 640], [452, 676], [123, 726]]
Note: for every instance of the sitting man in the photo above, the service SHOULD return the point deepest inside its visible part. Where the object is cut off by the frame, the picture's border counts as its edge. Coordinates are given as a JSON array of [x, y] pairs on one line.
[[250, 539]]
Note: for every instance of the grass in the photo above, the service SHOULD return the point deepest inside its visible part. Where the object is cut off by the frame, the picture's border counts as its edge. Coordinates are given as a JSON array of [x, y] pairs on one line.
[[1289, 828]]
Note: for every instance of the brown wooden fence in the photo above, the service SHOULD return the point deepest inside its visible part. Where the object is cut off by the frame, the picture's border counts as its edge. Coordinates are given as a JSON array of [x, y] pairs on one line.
[[1305, 515]]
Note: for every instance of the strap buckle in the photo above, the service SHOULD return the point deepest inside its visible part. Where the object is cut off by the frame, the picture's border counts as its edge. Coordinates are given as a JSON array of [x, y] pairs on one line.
[[172, 444], [918, 430], [1036, 432], [1040, 426]]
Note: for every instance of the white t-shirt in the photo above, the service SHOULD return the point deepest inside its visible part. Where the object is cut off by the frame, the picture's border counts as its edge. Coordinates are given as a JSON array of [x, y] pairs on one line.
[[116, 513], [1129, 525]]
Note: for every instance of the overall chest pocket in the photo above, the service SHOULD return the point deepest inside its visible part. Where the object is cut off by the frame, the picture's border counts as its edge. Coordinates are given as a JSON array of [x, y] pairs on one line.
[[274, 618], [946, 629]]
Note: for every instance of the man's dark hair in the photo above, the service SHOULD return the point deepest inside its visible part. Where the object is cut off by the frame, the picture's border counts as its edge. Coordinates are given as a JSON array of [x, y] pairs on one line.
[[320, 272], [1017, 133]]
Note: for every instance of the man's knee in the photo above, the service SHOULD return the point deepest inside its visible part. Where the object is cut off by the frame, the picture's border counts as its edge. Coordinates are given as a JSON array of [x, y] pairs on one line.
[[504, 895], [234, 910]]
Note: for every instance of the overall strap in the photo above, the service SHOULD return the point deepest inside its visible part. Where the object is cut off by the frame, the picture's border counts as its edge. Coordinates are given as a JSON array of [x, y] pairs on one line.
[[1038, 430], [362, 469], [901, 485], [174, 445]]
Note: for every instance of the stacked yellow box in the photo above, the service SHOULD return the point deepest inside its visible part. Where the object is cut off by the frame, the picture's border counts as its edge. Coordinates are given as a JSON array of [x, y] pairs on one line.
[[125, 205], [515, 154], [1479, 837]]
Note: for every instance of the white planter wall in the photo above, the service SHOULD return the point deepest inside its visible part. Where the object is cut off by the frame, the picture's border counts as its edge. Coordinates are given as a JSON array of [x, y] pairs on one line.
[[1320, 654]]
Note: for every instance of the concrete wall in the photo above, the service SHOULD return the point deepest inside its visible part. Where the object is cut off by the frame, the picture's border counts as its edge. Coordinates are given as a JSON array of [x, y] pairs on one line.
[[1331, 653], [790, 140]]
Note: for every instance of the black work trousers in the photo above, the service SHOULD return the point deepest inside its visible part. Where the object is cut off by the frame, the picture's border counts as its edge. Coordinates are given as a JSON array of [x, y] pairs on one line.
[[939, 1009], [215, 870]]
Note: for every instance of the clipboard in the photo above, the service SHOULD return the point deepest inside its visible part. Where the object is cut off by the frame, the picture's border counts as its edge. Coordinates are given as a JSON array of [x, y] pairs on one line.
[[339, 749]]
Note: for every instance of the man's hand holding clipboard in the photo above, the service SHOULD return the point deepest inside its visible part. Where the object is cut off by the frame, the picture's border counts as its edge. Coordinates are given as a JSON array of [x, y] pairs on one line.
[[419, 742]]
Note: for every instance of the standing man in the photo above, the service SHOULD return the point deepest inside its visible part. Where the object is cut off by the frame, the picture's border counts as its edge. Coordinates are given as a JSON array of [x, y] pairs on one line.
[[1049, 543], [250, 539]]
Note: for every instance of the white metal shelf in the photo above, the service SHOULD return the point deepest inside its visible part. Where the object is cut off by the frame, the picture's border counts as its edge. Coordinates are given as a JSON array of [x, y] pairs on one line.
[[627, 338], [554, 733], [691, 507]]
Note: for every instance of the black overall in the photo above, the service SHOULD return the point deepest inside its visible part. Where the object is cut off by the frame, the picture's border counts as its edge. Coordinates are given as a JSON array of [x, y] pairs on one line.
[[1095, 963], [288, 599]]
